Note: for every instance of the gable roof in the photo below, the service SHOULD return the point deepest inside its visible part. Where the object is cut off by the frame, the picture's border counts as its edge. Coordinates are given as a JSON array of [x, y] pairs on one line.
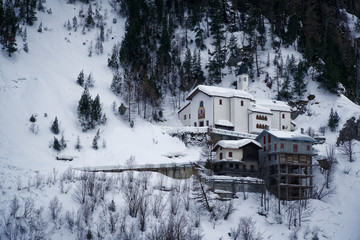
[[285, 135], [220, 92], [274, 105], [235, 144]]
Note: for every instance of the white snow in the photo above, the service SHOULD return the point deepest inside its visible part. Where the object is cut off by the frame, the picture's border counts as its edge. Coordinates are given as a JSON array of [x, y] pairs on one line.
[[221, 92], [234, 144]]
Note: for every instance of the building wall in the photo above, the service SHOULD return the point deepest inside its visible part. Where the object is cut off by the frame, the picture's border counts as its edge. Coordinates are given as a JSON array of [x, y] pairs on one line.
[[239, 114], [184, 116], [236, 153], [221, 111], [280, 123], [253, 122], [194, 108]]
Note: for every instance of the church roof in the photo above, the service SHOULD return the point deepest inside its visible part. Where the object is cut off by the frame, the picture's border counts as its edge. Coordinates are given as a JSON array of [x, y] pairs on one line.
[[220, 92], [260, 109], [274, 105], [235, 144]]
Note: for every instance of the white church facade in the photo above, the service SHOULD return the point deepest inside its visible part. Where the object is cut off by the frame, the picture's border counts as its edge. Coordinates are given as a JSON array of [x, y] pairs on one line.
[[234, 109]]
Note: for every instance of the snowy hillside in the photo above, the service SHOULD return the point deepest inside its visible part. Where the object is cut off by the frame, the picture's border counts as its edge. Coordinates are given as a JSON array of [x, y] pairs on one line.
[[42, 83]]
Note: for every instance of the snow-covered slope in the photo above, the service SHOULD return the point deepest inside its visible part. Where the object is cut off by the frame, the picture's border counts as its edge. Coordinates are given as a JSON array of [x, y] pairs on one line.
[[43, 82]]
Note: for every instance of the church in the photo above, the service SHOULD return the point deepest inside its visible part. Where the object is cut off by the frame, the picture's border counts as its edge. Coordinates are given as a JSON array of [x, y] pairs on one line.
[[234, 109]]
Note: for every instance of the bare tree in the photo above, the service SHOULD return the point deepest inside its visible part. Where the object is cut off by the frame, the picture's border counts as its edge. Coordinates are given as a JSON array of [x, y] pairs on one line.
[[201, 193], [158, 205], [143, 213], [229, 209], [347, 148], [327, 169], [145, 177], [55, 208]]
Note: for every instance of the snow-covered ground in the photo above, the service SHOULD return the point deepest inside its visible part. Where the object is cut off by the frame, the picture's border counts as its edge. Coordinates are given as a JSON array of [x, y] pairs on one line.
[[43, 82]]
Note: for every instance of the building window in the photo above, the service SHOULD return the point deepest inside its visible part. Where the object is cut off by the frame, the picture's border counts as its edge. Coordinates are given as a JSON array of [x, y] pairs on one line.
[[283, 127], [264, 148], [184, 117], [231, 165], [189, 116], [207, 122], [308, 147], [295, 148], [264, 139], [252, 167], [269, 138], [269, 148], [275, 147], [201, 123], [237, 166], [230, 154], [283, 116], [242, 103], [201, 104], [194, 124], [221, 155], [220, 101], [244, 167], [282, 146]]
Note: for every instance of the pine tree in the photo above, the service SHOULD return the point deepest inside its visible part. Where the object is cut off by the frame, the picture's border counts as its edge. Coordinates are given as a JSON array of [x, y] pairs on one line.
[[27, 11], [78, 143], [95, 140], [99, 49], [40, 28], [197, 71], [116, 83], [89, 22], [95, 111], [55, 126], [90, 81], [200, 37], [112, 206], [357, 25], [122, 109], [285, 92], [32, 118], [268, 60], [62, 142], [24, 37], [84, 109], [74, 23], [9, 28], [80, 79], [333, 121], [56, 145], [299, 85], [113, 60]]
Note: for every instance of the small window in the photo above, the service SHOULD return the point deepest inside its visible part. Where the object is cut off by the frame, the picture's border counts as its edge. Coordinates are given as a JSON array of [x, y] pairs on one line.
[[231, 165], [308, 147], [264, 148], [283, 116], [242, 103], [252, 167], [230, 154], [201, 123], [275, 147], [207, 122], [184, 117], [282, 146], [269, 138], [220, 101], [269, 147], [283, 127], [221, 155], [189, 116], [194, 124], [244, 167], [264, 139], [201, 104], [295, 148], [237, 166]]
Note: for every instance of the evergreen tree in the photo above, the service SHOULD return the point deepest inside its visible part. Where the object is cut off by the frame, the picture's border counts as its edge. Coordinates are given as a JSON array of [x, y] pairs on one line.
[[357, 25], [299, 85], [56, 144], [116, 83], [285, 92], [27, 11], [78, 143], [112, 206], [74, 23], [32, 118], [122, 109], [164, 57], [80, 79], [95, 111], [62, 142], [113, 60], [84, 109], [40, 28], [9, 28], [197, 71], [333, 121], [55, 126], [89, 21], [99, 49], [90, 81], [217, 14], [268, 60], [200, 37], [350, 131], [95, 140]]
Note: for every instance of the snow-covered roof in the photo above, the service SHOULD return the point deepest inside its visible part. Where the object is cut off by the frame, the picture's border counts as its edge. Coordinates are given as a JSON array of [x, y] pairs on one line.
[[295, 136], [274, 105], [224, 123], [220, 91], [233, 144], [260, 109]]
